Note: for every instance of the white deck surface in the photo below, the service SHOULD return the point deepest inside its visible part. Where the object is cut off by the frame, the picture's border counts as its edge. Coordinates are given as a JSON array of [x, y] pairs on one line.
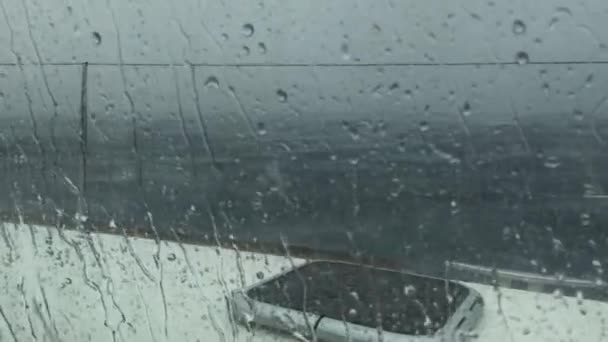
[[102, 287]]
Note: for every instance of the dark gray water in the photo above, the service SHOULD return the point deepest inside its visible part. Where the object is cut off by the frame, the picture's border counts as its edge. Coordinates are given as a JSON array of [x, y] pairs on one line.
[[421, 199]]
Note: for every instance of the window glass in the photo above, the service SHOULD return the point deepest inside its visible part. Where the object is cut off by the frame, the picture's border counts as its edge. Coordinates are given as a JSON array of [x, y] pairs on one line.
[[158, 156]]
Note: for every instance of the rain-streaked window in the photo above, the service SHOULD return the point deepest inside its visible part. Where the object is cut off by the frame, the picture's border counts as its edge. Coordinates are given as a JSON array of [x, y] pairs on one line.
[[231, 170]]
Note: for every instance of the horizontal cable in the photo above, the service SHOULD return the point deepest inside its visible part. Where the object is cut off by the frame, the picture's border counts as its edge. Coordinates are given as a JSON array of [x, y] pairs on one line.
[[288, 65]]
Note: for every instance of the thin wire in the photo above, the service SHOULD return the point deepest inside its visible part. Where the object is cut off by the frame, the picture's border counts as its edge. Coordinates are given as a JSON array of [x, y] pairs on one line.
[[291, 65]]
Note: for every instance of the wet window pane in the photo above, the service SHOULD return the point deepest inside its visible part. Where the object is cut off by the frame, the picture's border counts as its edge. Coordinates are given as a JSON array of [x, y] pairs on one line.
[[342, 170]]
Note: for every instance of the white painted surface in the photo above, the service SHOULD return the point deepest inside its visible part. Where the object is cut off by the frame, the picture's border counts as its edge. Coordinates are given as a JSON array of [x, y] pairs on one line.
[[114, 289], [70, 298]]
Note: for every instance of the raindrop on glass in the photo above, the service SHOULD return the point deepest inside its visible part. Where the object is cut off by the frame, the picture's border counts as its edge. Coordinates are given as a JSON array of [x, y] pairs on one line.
[[557, 294], [424, 126], [409, 290], [262, 48], [262, 128], [352, 130], [96, 38], [546, 88], [248, 30], [171, 257], [352, 312], [109, 107], [282, 95], [579, 297], [522, 58], [260, 275], [344, 50], [246, 51], [212, 81], [585, 219], [466, 109], [519, 27], [589, 81], [552, 163]]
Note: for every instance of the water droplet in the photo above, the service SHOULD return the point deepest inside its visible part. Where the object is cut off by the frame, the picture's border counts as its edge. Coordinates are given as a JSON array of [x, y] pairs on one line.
[[224, 36], [552, 23], [246, 50], [212, 82], [546, 88], [424, 126], [262, 48], [248, 30], [557, 294], [589, 81], [282, 95], [466, 109], [352, 312], [109, 108], [70, 10], [526, 331], [351, 129], [578, 115], [81, 217], [171, 257], [96, 38], [519, 27], [344, 50], [522, 57], [409, 290], [552, 163], [585, 219], [262, 128], [259, 275], [353, 161]]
